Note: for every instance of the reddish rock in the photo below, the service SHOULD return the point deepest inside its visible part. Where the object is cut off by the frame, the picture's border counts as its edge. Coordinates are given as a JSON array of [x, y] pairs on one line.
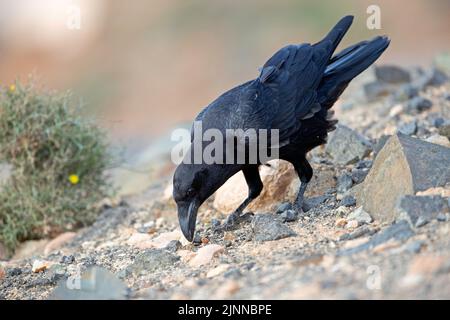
[[58, 242], [276, 180], [205, 255], [40, 265]]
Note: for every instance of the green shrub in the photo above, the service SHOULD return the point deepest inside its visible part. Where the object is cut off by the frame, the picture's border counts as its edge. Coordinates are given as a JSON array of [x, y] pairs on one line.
[[58, 161]]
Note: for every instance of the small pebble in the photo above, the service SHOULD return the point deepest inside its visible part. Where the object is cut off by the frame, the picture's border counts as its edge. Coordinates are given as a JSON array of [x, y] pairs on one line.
[[197, 239], [39, 266], [352, 224], [364, 164], [409, 128], [441, 217], [421, 221], [418, 104], [215, 223], [341, 222], [344, 183], [348, 201], [233, 273], [289, 215], [415, 246], [14, 272], [173, 246], [284, 207], [67, 259]]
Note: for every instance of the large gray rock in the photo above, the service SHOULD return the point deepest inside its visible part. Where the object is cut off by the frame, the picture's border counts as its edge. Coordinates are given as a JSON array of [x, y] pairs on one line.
[[346, 146], [419, 210], [267, 227], [404, 166]]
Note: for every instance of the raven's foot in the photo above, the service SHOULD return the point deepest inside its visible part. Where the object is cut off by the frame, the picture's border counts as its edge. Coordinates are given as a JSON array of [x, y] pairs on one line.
[[289, 212], [234, 220]]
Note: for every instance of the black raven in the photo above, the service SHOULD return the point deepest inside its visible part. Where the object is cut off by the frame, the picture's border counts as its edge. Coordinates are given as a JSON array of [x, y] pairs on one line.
[[293, 94]]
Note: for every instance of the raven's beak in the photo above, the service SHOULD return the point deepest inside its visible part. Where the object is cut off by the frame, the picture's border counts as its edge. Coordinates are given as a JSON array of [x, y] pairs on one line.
[[187, 216]]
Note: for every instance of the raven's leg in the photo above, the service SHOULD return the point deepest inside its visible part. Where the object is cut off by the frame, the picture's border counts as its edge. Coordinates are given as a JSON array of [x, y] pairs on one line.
[[255, 187], [305, 173]]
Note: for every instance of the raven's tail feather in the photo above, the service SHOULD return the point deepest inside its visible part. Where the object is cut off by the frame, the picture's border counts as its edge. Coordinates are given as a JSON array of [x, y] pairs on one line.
[[336, 34], [346, 65]]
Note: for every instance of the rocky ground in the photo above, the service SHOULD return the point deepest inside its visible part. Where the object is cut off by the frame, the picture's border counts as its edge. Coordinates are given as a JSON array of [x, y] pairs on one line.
[[376, 223]]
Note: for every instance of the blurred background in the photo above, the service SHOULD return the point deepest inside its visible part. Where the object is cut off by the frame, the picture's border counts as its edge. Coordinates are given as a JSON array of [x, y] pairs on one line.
[[143, 67]]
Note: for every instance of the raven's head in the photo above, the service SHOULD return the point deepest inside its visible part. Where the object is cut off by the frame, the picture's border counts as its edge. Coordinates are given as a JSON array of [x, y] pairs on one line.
[[191, 187]]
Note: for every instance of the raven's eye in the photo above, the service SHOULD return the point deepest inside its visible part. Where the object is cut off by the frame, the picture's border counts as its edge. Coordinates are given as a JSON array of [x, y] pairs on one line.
[[190, 192]]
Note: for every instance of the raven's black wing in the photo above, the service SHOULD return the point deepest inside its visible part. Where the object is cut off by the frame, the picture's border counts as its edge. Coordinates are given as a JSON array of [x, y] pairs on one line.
[[284, 93], [289, 80]]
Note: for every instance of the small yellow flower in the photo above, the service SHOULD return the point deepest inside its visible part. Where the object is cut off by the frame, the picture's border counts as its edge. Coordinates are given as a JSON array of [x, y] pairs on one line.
[[74, 179], [12, 88]]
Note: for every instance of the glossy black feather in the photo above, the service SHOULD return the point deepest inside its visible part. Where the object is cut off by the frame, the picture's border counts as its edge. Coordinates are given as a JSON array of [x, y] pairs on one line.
[[295, 89]]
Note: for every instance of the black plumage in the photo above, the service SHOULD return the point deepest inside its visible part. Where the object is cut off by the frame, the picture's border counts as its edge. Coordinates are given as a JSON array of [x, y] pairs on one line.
[[293, 94]]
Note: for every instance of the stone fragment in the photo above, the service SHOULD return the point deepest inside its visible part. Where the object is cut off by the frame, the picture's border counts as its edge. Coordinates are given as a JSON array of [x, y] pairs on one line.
[[40, 265], [392, 74], [341, 222], [220, 269], [59, 242], [289, 215], [419, 210], [418, 105], [346, 146], [438, 139], [445, 131], [376, 90], [397, 232], [348, 201], [352, 224], [205, 255], [313, 202], [146, 241], [409, 128], [344, 183], [360, 215], [266, 228], [358, 175], [362, 231]]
